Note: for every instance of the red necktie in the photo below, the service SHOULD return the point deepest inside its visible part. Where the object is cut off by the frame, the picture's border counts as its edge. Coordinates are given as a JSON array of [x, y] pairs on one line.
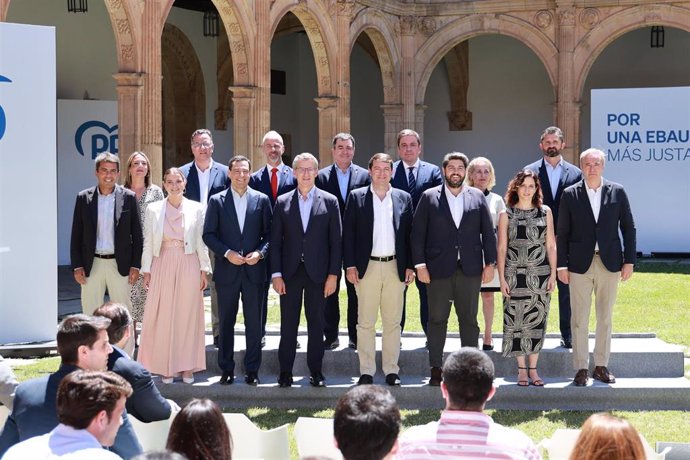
[[274, 182]]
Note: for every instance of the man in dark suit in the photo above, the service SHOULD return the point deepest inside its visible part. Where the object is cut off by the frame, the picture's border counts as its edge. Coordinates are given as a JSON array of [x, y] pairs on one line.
[[414, 176], [146, 403], [306, 258], [107, 241], [594, 214], [237, 230], [272, 180], [376, 233], [82, 342], [339, 179], [454, 251], [205, 178], [555, 175]]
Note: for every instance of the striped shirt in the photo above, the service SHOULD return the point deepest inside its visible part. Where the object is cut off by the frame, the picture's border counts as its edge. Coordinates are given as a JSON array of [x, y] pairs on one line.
[[461, 434]]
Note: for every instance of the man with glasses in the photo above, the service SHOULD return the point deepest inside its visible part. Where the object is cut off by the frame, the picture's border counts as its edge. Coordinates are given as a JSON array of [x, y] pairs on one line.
[[306, 259], [205, 178]]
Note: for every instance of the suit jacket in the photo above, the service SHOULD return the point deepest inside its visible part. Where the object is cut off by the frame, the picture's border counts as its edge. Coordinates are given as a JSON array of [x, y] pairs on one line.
[[154, 221], [261, 181], [570, 175], [320, 245], [578, 232], [35, 414], [222, 232], [128, 235], [358, 229], [217, 182], [328, 180], [428, 176], [435, 239], [146, 402]]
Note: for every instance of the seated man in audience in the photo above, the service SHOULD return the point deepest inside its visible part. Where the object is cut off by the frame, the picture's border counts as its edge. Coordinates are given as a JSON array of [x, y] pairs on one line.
[[464, 431], [8, 382], [366, 423], [146, 402], [82, 342], [89, 406]]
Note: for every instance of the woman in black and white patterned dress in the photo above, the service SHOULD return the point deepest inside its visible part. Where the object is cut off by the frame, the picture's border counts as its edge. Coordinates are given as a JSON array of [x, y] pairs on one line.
[[139, 181]]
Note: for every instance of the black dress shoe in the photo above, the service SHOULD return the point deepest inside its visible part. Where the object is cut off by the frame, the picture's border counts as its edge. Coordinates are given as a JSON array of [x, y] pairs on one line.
[[263, 342], [602, 374], [227, 378], [581, 378], [393, 380], [365, 379], [252, 378], [285, 380], [436, 377], [331, 345], [486, 347], [352, 345], [317, 380], [215, 340], [566, 343]]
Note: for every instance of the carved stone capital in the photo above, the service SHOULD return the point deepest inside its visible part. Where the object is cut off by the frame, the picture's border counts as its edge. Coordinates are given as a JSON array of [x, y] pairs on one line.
[[543, 19], [459, 120], [326, 102], [243, 92], [135, 79], [221, 118], [566, 17], [427, 26], [589, 17], [408, 25]]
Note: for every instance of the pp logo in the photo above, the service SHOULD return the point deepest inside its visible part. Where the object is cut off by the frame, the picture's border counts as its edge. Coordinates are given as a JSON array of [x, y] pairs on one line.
[[3, 118], [98, 136]]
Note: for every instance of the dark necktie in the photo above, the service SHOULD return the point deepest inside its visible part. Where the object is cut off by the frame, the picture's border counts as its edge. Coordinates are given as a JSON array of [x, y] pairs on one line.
[[274, 183], [411, 181]]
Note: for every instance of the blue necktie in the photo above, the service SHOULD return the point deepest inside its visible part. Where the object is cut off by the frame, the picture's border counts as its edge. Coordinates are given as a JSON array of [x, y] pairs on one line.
[[411, 181]]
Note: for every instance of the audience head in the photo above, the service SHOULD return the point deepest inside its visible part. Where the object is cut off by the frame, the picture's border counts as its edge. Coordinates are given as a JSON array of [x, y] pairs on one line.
[[366, 423], [120, 321], [83, 341], [454, 167], [409, 146], [513, 192], [199, 432], [107, 157], [202, 146], [273, 147], [142, 164], [468, 377], [343, 149], [607, 437], [93, 401], [480, 174]]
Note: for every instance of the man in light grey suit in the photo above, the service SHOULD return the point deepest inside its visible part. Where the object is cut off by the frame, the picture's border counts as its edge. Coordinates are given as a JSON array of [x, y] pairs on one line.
[[454, 251]]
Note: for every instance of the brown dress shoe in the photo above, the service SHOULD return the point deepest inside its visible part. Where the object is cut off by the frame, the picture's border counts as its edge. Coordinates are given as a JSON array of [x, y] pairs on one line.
[[581, 378], [436, 374], [603, 375]]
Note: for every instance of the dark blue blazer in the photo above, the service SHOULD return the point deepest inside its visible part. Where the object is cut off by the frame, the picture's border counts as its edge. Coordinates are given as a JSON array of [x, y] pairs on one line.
[[435, 239], [358, 229], [146, 402], [129, 238], [328, 180], [35, 414], [570, 175], [578, 232], [320, 245], [261, 181], [222, 232], [217, 182], [429, 175]]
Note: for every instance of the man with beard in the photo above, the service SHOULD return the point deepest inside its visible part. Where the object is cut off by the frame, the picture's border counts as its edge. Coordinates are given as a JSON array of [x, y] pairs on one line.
[[454, 251], [555, 174]]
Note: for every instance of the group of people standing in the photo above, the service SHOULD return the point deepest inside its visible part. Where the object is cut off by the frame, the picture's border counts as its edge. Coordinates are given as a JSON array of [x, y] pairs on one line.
[[386, 226]]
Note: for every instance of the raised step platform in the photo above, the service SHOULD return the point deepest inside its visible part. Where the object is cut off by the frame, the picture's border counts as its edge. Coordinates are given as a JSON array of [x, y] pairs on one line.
[[649, 376]]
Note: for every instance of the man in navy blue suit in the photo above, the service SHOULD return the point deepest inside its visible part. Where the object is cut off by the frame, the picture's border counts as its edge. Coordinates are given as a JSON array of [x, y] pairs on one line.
[[414, 176], [306, 259], [237, 229], [272, 180], [555, 174], [339, 179], [205, 178]]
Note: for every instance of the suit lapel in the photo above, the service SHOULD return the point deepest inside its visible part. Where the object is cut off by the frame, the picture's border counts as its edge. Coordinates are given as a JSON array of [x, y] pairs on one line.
[[92, 201], [315, 207], [369, 207], [586, 202], [398, 205], [445, 207], [212, 177], [119, 203], [605, 195], [294, 214], [229, 206], [544, 179]]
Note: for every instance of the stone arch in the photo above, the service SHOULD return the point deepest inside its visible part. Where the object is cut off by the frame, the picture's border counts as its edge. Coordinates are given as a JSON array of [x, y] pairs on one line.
[[241, 31], [431, 52], [387, 53], [317, 24], [128, 59], [590, 47], [184, 95]]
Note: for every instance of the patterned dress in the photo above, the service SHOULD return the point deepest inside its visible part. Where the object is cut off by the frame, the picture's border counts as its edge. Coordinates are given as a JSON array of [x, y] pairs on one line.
[[527, 271], [138, 291]]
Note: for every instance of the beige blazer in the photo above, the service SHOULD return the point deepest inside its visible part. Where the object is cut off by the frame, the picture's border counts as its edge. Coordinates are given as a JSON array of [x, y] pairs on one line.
[[193, 230]]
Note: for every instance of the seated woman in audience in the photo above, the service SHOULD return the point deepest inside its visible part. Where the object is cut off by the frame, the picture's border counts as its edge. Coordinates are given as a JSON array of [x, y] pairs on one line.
[[607, 437], [199, 432]]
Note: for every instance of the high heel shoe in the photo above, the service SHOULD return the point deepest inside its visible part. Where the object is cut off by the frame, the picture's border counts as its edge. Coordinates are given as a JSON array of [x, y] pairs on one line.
[[188, 380], [523, 383], [167, 380], [538, 382]]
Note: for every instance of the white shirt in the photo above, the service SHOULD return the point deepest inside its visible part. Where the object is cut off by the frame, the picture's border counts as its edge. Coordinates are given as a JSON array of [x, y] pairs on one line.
[[383, 239], [240, 207], [415, 171], [554, 173], [204, 178], [456, 204], [63, 442], [105, 229], [594, 196]]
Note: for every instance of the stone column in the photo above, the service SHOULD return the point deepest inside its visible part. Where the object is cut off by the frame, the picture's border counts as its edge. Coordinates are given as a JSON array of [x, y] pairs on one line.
[[343, 17], [129, 100], [408, 80], [392, 122], [419, 122], [261, 109], [327, 107], [567, 104], [245, 139]]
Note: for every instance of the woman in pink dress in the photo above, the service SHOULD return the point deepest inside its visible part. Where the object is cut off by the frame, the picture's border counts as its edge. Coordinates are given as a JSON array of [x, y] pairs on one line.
[[174, 263]]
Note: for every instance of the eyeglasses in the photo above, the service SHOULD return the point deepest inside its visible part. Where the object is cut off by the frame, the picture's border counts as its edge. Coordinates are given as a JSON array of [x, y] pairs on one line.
[[205, 145], [305, 170]]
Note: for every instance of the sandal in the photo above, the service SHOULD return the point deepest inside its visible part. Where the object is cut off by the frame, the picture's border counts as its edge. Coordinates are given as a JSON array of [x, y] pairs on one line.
[[523, 383], [538, 382]]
